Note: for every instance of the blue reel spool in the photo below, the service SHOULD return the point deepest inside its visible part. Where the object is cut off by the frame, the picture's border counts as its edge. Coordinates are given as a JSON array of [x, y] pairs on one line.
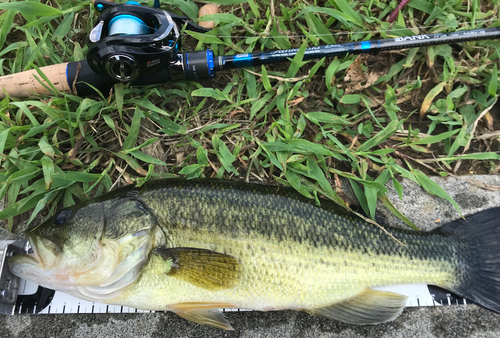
[[127, 24]]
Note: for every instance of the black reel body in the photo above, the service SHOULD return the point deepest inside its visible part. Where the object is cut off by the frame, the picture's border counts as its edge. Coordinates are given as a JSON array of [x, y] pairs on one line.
[[133, 42]]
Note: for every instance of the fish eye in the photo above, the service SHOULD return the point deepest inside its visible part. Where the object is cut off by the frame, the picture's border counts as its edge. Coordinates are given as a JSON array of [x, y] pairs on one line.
[[62, 217]]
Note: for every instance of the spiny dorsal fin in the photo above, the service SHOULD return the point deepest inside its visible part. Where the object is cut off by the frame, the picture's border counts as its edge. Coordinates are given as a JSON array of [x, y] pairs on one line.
[[205, 316], [204, 268], [369, 307]]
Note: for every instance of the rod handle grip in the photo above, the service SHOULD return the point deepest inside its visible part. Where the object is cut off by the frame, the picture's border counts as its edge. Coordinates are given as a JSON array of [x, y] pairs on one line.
[[25, 84]]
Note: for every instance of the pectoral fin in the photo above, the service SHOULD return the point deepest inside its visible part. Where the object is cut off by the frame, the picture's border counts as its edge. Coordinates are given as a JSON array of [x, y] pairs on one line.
[[369, 307], [204, 316], [204, 268]]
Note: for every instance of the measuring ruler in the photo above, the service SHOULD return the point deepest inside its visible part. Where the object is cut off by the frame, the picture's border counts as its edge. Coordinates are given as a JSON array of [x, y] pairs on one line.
[[18, 296]]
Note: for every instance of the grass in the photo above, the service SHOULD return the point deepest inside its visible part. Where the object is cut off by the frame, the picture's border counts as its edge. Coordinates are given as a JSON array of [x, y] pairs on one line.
[[369, 119]]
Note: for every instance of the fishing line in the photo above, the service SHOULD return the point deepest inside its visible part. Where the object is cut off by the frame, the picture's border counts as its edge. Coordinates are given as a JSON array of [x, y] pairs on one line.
[[141, 25], [464, 24]]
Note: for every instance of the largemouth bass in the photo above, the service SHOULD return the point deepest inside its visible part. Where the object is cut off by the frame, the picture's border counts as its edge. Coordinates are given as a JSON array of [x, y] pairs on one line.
[[194, 247]]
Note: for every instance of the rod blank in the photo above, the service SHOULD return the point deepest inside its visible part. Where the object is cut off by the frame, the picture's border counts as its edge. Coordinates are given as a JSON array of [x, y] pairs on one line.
[[371, 46]]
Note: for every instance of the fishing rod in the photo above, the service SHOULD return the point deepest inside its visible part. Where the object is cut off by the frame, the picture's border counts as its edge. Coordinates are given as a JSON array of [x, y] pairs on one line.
[[140, 45]]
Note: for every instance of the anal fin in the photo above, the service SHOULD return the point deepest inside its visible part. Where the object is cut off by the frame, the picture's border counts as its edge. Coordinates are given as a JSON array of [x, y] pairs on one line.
[[205, 316], [368, 307]]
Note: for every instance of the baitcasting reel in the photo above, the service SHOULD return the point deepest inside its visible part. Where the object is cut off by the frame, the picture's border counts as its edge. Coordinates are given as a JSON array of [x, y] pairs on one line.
[[132, 42], [140, 45]]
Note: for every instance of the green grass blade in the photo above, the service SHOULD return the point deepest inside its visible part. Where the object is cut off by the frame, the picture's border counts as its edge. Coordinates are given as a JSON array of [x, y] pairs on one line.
[[31, 8]]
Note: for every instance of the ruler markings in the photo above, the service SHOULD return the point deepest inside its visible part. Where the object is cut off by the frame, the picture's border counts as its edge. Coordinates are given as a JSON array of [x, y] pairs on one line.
[[418, 295]]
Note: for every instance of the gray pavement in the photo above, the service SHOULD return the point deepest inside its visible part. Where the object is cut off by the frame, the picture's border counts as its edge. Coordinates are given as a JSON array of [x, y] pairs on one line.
[[452, 321], [424, 210], [428, 211]]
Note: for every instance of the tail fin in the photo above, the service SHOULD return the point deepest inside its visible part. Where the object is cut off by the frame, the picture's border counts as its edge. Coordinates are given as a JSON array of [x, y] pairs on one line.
[[479, 244]]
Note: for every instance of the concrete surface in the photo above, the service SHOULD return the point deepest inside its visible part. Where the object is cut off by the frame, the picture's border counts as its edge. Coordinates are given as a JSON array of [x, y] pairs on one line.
[[428, 212], [456, 321], [424, 210]]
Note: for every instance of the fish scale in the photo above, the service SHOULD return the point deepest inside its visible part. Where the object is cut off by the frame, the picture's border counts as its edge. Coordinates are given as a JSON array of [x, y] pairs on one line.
[[291, 229], [299, 218]]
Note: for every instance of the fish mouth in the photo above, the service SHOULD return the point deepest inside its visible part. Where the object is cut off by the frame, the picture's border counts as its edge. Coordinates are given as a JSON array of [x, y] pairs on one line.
[[26, 259], [24, 265], [36, 266], [19, 264]]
